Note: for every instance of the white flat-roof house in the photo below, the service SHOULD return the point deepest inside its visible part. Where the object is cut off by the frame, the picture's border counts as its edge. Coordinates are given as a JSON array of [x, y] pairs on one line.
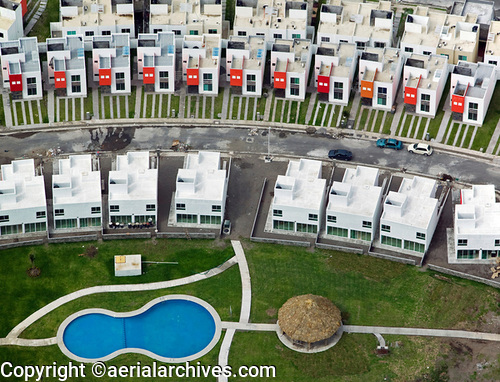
[[354, 205], [477, 225], [245, 64], [156, 61], [111, 63], [471, 89], [133, 189], [201, 190], [66, 66], [21, 70], [299, 198], [424, 79], [273, 19], [201, 63], [379, 76], [335, 66], [364, 24], [492, 50], [435, 32], [11, 19], [23, 207], [186, 17], [94, 18], [76, 193], [290, 61], [410, 215]]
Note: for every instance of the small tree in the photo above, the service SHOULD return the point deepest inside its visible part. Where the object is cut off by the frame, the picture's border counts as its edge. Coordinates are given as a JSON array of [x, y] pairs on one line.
[[91, 251], [33, 271]]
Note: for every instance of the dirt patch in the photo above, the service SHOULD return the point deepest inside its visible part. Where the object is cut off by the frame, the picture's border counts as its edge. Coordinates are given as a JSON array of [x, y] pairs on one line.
[[110, 139], [271, 312]]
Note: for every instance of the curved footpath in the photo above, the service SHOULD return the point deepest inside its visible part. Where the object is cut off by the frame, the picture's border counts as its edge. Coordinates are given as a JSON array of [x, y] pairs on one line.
[[14, 333]]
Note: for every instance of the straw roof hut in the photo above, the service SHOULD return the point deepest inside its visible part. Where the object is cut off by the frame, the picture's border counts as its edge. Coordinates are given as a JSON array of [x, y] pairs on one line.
[[309, 318]]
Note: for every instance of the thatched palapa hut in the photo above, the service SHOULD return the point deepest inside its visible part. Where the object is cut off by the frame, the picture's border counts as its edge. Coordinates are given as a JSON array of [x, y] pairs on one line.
[[309, 320]]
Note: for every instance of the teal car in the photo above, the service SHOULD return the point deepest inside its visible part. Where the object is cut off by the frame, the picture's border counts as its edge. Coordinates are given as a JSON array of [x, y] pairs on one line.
[[389, 144]]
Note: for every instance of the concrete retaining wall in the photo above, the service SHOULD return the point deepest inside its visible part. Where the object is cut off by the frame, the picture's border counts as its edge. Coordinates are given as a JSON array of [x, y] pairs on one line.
[[359, 251], [182, 235], [21, 244], [494, 284], [392, 258], [72, 239], [119, 236], [282, 242]]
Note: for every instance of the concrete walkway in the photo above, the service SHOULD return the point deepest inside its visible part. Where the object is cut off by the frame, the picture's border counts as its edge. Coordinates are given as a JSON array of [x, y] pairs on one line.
[[443, 126], [14, 333], [422, 332], [28, 342], [35, 18], [249, 326], [493, 140]]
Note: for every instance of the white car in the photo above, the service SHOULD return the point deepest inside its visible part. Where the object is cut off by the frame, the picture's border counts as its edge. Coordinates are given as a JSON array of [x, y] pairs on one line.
[[420, 148]]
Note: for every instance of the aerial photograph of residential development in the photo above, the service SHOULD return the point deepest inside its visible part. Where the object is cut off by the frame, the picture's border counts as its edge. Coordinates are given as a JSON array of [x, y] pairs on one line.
[[237, 190]]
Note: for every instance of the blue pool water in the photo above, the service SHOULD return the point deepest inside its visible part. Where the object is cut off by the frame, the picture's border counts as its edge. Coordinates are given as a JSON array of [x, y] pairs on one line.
[[173, 329]]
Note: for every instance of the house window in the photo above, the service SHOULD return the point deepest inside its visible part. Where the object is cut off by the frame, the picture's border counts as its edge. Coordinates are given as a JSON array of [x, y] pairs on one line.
[[32, 91], [71, 33], [294, 91], [35, 227], [120, 76], [150, 207], [462, 58], [467, 254], [31, 80], [309, 228], [287, 226], [425, 104], [212, 31], [497, 242], [59, 212], [163, 74], [90, 222], [473, 111], [325, 39], [157, 30], [360, 235], [251, 88], [294, 81], [382, 96], [193, 33], [242, 33], [462, 242], [336, 231], [126, 30], [207, 76], [1, 35], [338, 90], [122, 219], [331, 219], [66, 223], [408, 49], [40, 214], [177, 32], [360, 44], [208, 219], [89, 33], [386, 228], [75, 78], [379, 44], [392, 241], [250, 77], [106, 33], [493, 62], [114, 208], [207, 87], [277, 35], [4, 218], [11, 229], [185, 218], [313, 217], [420, 235], [295, 35], [163, 85], [427, 53], [278, 213], [95, 210], [412, 246], [120, 86], [216, 208], [367, 224], [180, 207], [76, 88]]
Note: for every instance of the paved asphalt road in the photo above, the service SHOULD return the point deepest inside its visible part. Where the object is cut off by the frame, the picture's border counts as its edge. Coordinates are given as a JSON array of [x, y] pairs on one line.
[[239, 141]]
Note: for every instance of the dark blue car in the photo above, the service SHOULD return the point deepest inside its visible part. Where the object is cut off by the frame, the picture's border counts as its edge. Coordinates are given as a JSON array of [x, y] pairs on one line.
[[389, 144], [340, 154]]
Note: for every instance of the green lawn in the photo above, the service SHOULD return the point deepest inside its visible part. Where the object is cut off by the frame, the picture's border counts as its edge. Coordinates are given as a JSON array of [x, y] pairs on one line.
[[251, 103], [460, 135], [218, 103], [363, 118], [483, 136], [87, 103], [271, 108], [421, 127], [303, 109], [370, 119], [406, 127], [174, 104], [42, 27], [286, 107], [243, 103], [236, 103], [27, 110], [388, 123], [468, 137], [16, 109], [368, 291], [208, 107], [78, 109], [453, 133], [321, 113], [378, 121], [132, 99]]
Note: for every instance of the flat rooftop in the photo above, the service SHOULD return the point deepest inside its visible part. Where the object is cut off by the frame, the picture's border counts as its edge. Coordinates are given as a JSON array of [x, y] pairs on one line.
[[413, 205], [388, 59], [429, 67], [478, 213], [93, 13], [201, 178], [358, 194], [300, 53], [133, 179], [302, 186], [341, 67], [21, 187], [493, 40], [479, 78], [203, 50], [75, 181], [186, 12], [255, 46]]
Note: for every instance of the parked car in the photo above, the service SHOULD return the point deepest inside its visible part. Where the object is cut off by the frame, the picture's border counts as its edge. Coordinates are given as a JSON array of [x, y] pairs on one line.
[[340, 154], [389, 144], [420, 148]]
